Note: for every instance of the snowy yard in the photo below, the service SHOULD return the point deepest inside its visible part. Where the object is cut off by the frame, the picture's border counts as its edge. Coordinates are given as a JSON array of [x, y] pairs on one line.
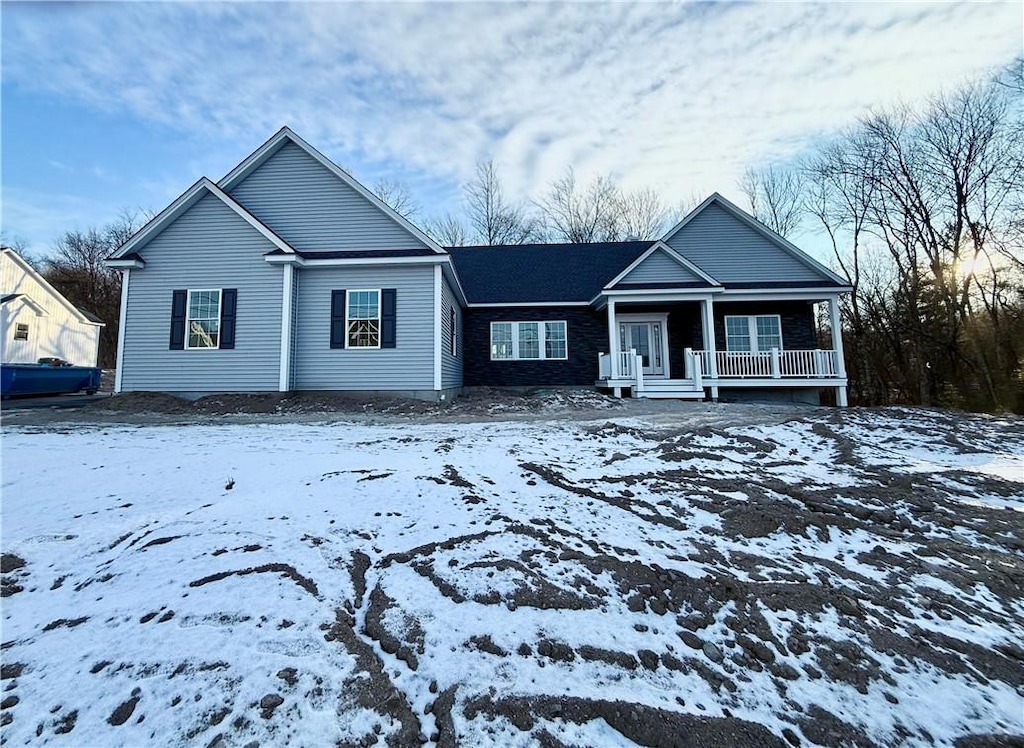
[[835, 578]]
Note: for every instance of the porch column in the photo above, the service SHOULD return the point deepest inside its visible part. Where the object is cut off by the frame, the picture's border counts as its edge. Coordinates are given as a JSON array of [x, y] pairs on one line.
[[707, 318], [613, 340], [287, 289], [836, 325]]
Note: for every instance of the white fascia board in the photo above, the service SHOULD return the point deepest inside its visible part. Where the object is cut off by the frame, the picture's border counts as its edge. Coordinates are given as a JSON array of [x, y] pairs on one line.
[[645, 292], [45, 284], [269, 148], [660, 246], [125, 264], [32, 304], [286, 259], [645, 297], [760, 228], [452, 274], [782, 294], [186, 200], [518, 304], [309, 262]]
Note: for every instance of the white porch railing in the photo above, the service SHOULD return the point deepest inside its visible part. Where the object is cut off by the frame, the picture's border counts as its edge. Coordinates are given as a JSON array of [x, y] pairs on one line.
[[627, 365], [773, 364]]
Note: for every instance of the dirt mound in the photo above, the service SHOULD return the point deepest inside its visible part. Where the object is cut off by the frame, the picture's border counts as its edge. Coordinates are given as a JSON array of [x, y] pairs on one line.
[[484, 401]]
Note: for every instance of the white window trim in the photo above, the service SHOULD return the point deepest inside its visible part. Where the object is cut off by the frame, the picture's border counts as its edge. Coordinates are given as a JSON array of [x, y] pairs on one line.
[[751, 330], [541, 339], [380, 331], [453, 320], [188, 318], [18, 325]]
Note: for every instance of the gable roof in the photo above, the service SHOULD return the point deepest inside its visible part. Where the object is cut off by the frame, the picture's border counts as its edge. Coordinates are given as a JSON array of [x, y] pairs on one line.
[[28, 301], [285, 136], [692, 273], [186, 200], [827, 276], [31, 272], [541, 273]]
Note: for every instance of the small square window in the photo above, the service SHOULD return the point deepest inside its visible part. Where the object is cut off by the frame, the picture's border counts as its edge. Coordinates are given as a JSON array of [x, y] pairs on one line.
[[21, 332]]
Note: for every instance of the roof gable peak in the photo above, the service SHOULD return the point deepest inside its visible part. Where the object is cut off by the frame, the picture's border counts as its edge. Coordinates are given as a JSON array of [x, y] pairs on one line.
[[661, 246], [744, 217], [286, 135], [181, 204]]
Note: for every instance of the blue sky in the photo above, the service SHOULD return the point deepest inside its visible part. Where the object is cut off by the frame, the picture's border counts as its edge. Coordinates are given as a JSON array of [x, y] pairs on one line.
[[113, 106]]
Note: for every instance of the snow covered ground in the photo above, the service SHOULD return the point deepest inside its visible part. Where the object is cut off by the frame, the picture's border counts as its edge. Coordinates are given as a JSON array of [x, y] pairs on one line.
[[840, 578]]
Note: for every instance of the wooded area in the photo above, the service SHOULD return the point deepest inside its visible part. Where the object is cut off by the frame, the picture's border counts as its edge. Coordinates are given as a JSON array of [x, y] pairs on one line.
[[923, 211]]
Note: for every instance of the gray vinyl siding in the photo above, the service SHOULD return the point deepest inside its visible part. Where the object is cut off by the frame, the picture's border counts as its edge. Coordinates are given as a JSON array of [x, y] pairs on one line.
[[731, 252], [313, 210], [451, 366], [408, 366], [660, 268], [209, 246]]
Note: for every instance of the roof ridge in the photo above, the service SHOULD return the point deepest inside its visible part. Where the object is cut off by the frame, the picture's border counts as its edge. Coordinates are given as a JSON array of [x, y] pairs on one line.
[[552, 244]]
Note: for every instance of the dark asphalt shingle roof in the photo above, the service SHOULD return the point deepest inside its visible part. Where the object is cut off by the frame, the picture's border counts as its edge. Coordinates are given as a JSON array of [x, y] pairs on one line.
[[89, 315], [541, 272]]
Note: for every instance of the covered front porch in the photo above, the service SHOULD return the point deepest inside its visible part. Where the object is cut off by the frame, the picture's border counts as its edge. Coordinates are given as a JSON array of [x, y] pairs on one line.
[[691, 346]]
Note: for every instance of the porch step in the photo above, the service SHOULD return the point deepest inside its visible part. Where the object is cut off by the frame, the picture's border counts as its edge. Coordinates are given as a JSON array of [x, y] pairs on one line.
[[671, 388]]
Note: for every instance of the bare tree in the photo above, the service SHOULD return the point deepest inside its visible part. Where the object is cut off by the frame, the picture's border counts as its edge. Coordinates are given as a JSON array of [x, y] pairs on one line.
[[775, 197], [494, 219], [641, 215], [923, 210], [77, 270], [449, 231], [397, 196], [580, 214]]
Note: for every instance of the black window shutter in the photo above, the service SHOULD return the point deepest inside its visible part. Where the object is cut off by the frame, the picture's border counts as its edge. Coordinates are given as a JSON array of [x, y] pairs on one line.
[[338, 301], [228, 304], [388, 317], [178, 301]]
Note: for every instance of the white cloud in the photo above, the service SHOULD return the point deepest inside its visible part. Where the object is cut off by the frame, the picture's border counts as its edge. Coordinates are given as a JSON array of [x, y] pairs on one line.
[[679, 97], [37, 219]]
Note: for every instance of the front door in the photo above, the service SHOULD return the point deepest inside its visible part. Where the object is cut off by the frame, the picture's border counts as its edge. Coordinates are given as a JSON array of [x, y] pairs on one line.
[[645, 338]]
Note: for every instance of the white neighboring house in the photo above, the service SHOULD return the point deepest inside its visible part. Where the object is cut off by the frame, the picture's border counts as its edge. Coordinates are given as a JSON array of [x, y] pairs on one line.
[[38, 322]]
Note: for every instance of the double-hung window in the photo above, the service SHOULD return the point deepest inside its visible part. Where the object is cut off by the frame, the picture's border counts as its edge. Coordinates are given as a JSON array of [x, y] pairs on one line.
[[21, 331], [753, 333], [202, 322], [529, 341], [362, 320]]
